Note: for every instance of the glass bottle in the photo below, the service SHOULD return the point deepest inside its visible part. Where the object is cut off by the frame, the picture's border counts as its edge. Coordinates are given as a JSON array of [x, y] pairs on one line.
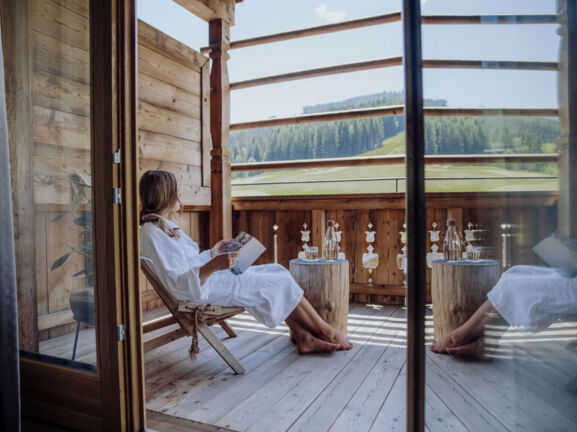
[[330, 243], [452, 243]]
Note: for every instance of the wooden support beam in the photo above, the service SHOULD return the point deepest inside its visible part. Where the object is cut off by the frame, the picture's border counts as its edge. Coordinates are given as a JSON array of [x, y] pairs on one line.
[[396, 110], [320, 117], [395, 61], [395, 160], [388, 18], [221, 209], [17, 73], [210, 10], [491, 112], [313, 31], [158, 323], [489, 64], [312, 73], [488, 19], [164, 339], [395, 201]]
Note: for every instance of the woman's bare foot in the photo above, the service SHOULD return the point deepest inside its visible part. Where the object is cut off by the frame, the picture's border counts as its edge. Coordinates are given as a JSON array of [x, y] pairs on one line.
[[454, 339], [311, 344], [329, 334], [474, 349]]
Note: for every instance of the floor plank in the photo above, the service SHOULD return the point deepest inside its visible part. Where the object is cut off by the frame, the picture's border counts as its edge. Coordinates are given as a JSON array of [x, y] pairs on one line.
[[521, 388]]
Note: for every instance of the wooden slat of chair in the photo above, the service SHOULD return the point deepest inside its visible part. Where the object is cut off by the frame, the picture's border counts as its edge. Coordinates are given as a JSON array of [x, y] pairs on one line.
[[183, 312]]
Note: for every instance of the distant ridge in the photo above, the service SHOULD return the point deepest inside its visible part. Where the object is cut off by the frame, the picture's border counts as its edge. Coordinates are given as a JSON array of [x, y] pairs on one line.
[[346, 138]]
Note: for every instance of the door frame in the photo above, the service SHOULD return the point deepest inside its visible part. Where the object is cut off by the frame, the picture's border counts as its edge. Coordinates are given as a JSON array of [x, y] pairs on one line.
[[113, 397]]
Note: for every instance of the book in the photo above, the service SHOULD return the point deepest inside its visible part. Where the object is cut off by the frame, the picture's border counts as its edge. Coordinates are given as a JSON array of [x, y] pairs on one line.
[[558, 251], [250, 249]]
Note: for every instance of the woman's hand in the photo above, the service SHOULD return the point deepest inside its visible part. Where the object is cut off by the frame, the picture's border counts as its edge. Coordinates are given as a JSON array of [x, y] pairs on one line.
[[222, 261], [219, 247]]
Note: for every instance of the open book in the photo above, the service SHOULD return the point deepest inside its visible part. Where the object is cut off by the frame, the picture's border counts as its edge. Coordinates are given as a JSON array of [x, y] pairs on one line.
[[250, 249], [558, 251]]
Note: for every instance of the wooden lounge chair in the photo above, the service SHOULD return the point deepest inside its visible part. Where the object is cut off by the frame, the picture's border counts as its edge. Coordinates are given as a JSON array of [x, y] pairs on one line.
[[193, 319]]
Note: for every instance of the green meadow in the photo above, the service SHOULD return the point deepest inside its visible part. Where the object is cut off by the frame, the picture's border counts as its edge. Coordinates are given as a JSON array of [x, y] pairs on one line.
[[390, 178]]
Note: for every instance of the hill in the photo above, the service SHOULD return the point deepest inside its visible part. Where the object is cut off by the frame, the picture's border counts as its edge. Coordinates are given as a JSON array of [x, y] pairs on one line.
[[443, 135]]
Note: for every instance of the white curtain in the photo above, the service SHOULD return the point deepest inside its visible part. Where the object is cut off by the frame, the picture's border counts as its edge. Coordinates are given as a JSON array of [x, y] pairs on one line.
[[9, 370]]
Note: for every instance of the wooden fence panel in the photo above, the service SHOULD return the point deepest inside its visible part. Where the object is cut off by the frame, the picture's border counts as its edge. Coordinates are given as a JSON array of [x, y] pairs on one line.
[[533, 217]]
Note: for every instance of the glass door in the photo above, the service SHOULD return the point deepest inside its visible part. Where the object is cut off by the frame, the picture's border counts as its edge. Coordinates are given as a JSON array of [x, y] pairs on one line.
[[70, 99]]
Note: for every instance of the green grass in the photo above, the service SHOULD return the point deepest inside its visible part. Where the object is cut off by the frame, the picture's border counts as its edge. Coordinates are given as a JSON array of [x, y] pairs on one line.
[[358, 180], [391, 146]]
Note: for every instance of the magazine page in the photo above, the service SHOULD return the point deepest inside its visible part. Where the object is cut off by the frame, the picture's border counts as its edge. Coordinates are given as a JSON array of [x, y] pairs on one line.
[[250, 249], [558, 251]]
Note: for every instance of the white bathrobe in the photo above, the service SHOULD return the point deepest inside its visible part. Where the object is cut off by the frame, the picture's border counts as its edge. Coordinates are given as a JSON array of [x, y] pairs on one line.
[[534, 297], [268, 292]]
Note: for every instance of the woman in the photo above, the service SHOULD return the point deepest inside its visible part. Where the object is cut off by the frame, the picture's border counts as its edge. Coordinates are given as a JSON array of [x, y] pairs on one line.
[[525, 296], [268, 292]]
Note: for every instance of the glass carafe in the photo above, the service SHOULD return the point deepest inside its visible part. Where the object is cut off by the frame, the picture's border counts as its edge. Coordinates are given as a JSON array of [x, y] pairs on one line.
[[330, 242], [452, 243]]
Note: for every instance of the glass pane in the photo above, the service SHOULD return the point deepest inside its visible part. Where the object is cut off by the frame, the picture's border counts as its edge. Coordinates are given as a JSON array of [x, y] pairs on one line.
[[503, 321], [57, 303]]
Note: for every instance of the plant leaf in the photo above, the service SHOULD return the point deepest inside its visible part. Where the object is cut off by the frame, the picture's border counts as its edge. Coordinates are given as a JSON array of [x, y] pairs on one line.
[[59, 261], [81, 272], [57, 218]]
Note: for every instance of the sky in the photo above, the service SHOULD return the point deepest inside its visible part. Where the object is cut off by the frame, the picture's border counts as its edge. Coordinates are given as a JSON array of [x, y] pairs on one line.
[[461, 88]]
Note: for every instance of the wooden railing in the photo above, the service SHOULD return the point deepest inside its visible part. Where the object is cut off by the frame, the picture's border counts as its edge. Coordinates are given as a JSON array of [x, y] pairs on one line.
[[396, 159], [532, 215]]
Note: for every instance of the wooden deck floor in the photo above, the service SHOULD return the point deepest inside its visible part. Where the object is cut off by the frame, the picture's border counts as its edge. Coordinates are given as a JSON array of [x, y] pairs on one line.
[[520, 388]]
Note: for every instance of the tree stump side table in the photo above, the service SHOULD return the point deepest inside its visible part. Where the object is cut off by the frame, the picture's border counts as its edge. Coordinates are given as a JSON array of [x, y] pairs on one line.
[[458, 288], [326, 287]]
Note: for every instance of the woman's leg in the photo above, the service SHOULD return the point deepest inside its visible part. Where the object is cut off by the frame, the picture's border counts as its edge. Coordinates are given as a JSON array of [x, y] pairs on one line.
[[466, 339], [308, 319], [307, 342]]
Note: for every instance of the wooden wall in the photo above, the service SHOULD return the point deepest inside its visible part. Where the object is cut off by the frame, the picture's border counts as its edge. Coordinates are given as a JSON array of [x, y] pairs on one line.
[[60, 78], [173, 112], [533, 216], [174, 134], [173, 116]]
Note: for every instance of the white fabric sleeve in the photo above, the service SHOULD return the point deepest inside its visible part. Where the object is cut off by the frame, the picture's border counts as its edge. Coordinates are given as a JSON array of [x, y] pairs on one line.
[[180, 277], [204, 257]]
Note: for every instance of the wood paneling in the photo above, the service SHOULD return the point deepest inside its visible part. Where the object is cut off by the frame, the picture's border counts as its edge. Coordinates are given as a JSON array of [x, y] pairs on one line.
[[61, 23], [533, 214], [54, 56], [159, 66], [155, 40], [173, 112], [168, 122], [161, 147], [154, 91]]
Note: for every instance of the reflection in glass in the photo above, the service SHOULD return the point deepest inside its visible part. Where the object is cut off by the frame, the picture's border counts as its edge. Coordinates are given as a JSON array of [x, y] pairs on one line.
[[513, 356], [62, 314]]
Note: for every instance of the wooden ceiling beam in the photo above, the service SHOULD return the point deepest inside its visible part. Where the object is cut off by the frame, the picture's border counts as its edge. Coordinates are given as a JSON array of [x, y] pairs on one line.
[[210, 10]]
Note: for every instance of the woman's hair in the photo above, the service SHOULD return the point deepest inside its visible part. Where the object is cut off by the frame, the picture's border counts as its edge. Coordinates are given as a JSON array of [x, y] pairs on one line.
[[158, 192]]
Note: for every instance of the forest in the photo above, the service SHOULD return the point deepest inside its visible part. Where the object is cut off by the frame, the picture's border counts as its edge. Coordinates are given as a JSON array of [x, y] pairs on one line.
[[443, 135]]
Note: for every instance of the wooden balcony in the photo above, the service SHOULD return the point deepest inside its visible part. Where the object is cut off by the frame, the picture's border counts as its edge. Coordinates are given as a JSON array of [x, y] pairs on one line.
[[521, 387]]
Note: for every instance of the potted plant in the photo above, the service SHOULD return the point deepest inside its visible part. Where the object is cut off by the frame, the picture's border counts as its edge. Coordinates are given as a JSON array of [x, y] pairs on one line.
[[81, 302]]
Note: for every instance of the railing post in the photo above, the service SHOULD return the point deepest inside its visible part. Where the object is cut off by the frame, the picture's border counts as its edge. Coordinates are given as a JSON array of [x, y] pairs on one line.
[[415, 214], [567, 87], [221, 207]]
